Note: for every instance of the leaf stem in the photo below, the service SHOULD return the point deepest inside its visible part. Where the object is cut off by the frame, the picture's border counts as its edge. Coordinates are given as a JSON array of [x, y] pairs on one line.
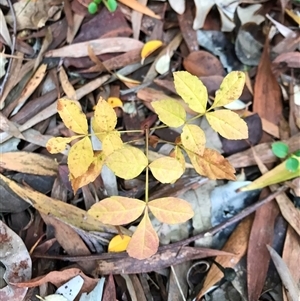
[[147, 167]]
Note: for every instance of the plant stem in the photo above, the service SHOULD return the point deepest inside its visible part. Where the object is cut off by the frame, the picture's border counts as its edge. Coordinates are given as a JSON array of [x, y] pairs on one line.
[[147, 167]]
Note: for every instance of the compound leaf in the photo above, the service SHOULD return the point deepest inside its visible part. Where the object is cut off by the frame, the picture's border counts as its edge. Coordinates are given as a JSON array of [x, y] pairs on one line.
[[228, 124], [231, 89], [178, 155], [171, 210], [111, 142], [127, 162], [105, 118], [117, 210], [90, 175], [80, 157], [170, 112], [192, 90], [144, 241], [193, 138], [56, 145], [71, 114], [212, 165], [166, 169], [119, 243]]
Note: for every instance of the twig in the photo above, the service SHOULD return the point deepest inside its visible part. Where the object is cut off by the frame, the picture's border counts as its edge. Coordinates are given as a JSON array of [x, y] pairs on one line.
[[12, 47]]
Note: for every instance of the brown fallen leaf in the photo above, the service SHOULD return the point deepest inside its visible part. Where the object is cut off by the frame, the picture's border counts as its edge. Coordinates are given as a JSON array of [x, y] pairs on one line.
[[291, 58], [267, 93], [258, 257], [236, 244], [203, 63], [109, 289], [30, 163], [100, 46]]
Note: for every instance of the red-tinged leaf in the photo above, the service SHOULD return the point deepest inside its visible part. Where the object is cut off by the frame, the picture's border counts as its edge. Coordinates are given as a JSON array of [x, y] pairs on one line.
[[171, 210], [236, 244], [71, 113], [258, 257], [80, 157], [117, 210], [212, 165], [90, 175], [109, 290], [144, 242]]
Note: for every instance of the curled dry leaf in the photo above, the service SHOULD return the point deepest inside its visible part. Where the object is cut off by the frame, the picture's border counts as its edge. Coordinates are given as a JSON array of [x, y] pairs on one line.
[[17, 262], [212, 165], [171, 210], [117, 210], [203, 63]]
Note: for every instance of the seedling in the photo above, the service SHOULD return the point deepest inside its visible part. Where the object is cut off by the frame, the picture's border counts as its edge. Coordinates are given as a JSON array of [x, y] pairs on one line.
[[128, 162], [111, 5]]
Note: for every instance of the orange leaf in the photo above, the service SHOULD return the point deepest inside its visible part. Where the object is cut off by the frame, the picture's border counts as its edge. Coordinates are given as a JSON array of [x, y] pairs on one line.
[[149, 48], [80, 157], [140, 8], [171, 210], [117, 210], [144, 241], [212, 165], [71, 113], [119, 243], [90, 175]]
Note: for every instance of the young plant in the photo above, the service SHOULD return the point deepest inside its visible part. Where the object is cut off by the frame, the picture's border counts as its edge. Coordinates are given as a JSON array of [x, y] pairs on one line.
[[287, 170], [128, 162], [111, 5]]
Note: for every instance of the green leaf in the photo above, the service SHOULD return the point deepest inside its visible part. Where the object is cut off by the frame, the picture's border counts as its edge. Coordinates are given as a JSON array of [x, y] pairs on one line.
[[111, 5], [92, 8], [280, 149], [292, 164], [170, 112], [193, 138], [228, 124], [127, 162], [231, 89], [192, 90], [297, 153]]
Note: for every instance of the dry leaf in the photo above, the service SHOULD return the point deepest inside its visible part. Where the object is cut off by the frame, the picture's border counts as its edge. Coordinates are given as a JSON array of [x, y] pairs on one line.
[[144, 241], [178, 6], [57, 145], [117, 210], [149, 48], [135, 5], [212, 165], [119, 243]]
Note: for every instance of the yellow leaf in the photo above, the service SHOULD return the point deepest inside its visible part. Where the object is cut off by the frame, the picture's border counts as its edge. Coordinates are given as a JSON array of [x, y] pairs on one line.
[[170, 112], [171, 210], [105, 118], [166, 169], [72, 116], [56, 145], [127, 162], [149, 48], [119, 243], [80, 157], [231, 89], [115, 102], [111, 142], [144, 241], [228, 124], [192, 90], [193, 138], [117, 210], [294, 16], [180, 157], [90, 175], [212, 165]]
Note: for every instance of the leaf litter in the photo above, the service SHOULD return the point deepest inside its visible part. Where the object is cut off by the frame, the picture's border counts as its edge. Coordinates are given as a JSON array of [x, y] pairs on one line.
[[79, 96]]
